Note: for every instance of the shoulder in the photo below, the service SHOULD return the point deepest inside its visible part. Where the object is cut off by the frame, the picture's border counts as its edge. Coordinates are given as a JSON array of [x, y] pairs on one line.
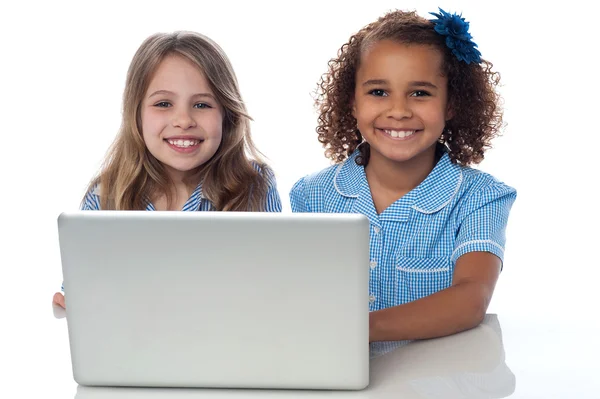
[[273, 200], [478, 182], [480, 189], [343, 178], [265, 172], [262, 168], [258, 166], [316, 192], [95, 190], [320, 180], [91, 200]]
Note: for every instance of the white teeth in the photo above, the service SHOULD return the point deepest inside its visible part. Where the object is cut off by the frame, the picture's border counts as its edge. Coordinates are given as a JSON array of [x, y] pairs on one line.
[[400, 133], [184, 143]]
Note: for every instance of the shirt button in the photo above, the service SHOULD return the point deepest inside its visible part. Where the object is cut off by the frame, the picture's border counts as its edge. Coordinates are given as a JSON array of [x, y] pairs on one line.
[[373, 265], [376, 229], [371, 298]]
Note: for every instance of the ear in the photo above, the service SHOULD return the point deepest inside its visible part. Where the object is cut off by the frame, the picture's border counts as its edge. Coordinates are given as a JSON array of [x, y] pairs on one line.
[[353, 107], [449, 112]]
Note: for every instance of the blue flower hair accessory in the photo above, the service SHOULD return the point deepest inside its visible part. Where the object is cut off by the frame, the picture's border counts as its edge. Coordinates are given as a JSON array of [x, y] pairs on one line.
[[458, 38]]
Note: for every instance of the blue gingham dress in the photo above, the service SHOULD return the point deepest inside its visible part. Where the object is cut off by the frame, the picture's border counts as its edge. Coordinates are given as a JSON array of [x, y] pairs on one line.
[[415, 242]]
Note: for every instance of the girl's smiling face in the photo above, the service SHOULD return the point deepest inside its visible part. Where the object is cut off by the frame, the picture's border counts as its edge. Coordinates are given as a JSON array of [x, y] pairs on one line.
[[181, 118], [400, 100]]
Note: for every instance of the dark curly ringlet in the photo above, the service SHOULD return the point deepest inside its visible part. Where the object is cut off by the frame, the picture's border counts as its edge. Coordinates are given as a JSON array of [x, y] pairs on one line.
[[472, 97]]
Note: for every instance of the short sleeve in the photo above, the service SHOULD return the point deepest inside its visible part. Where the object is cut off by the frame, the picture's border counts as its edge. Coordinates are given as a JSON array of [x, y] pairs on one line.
[[484, 219], [91, 201], [298, 198], [273, 199]]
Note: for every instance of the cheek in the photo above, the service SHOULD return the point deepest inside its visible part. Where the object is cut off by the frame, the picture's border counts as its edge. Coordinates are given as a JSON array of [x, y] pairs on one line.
[[215, 125], [153, 123], [362, 111], [148, 120], [435, 114]]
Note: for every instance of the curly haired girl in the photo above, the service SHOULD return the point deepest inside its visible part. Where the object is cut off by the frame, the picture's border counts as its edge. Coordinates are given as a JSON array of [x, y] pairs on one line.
[[405, 108]]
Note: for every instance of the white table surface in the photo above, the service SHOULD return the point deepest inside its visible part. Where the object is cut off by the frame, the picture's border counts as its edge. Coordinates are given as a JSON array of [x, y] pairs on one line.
[[504, 357], [465, 365]]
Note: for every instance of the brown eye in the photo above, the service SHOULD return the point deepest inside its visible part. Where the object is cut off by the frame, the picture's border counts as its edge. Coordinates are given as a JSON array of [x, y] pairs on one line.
[[420, 93], [378, 92]]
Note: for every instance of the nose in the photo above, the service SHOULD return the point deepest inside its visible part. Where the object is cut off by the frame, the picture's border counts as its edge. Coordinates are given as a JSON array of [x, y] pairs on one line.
[[399, 108], [183, 119]]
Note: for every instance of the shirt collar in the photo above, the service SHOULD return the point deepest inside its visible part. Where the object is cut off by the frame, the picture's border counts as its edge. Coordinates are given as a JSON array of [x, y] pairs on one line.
[[192, 204], [433, 194]]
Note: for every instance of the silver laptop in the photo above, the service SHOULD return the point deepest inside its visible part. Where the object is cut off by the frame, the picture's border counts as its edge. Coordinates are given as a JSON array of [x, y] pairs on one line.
[[217, 299]]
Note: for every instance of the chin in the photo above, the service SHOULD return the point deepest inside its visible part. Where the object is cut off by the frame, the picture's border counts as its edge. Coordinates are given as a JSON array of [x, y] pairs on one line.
[[397, 157], [182, 168], [185, 169], [406, 156]]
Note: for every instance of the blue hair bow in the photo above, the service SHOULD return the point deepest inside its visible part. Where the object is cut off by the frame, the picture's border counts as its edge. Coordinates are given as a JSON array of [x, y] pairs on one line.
[[458, 38]]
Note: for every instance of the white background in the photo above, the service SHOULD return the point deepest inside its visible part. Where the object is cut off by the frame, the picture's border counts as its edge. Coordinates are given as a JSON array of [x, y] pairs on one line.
[[62, 72]]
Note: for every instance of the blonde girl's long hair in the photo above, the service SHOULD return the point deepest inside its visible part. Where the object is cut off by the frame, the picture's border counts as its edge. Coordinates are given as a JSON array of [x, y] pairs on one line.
[[130, 176]]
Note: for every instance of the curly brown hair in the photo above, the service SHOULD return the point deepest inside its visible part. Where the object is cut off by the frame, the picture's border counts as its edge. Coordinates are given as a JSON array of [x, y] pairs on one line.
[[471, 93]]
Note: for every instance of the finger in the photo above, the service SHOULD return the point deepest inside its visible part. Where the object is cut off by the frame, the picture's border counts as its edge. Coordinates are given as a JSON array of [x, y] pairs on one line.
[[59, 299]]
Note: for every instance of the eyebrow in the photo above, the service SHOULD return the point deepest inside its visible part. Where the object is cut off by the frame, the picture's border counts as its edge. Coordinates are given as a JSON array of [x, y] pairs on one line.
[[378, 82], [375, 82], [167, 92], [423, 84]]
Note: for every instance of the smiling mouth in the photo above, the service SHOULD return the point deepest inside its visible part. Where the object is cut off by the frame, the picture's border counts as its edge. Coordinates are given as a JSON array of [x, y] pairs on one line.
[[398, 134], [184, 143]]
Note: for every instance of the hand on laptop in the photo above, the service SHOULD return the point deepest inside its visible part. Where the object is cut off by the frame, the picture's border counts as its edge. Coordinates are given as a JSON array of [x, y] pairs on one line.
[[59, 300]]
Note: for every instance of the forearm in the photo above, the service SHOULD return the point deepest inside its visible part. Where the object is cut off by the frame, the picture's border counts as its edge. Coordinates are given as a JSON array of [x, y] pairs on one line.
[[457, 308]]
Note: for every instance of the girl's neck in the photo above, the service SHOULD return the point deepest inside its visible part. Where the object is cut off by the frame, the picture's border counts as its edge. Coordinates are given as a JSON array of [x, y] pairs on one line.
[[180, 193], [183, 181], [182, 187], [389, 180]]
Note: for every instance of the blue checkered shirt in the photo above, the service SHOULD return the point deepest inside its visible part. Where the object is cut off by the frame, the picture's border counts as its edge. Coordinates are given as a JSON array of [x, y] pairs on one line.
[[196, 202], [415, 242]]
